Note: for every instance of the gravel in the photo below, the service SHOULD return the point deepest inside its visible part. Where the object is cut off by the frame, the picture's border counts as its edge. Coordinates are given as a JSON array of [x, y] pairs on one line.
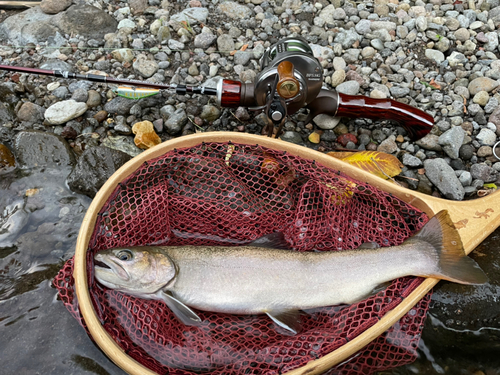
[[441, 57]]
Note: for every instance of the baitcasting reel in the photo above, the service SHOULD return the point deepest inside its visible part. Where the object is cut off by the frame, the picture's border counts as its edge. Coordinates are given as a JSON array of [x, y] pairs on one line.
[[291, 78]]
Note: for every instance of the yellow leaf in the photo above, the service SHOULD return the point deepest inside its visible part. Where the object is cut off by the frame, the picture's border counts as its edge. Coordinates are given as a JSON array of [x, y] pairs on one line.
[[314, 137], [341, 195], [378, 163]]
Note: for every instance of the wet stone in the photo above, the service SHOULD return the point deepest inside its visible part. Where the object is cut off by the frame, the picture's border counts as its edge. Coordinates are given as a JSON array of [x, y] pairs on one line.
[[35, 148], [94, 168]]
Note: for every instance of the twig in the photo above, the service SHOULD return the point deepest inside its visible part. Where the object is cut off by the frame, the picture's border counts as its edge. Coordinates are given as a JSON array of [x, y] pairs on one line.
[[235, 117], [195, 124]]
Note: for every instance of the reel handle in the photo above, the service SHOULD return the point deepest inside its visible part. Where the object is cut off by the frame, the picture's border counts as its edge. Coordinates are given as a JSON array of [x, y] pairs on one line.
[[415, 121]]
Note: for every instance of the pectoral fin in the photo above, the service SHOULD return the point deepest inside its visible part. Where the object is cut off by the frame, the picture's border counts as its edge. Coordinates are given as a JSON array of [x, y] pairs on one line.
[[180, 310], [289, 320]]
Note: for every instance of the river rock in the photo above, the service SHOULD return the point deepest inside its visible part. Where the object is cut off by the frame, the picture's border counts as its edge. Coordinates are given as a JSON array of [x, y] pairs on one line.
[[292, 137], [192, 16], [31, 113], [481, 98], [34, 148], [482, 84], [123, 54], [94, 167], [204, 40], [225, 43], [451, 141], [77, 18], [337, 78], [483, 172], [63, 111], [326, 122], [435, 55], [444, 178], [486, 137], [349, 88], [54, 6], [176, 122], [234, 10], [210, 113], [411, 161], [122, 143], [30, 26], [145, 67]]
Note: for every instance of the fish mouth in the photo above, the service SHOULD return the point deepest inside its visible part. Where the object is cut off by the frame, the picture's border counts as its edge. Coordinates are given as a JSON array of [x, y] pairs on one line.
[[100, 264], [108, 270]]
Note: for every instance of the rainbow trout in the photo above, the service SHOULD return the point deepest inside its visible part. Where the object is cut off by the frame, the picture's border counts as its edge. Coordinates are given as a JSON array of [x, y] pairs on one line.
[[278, 282]]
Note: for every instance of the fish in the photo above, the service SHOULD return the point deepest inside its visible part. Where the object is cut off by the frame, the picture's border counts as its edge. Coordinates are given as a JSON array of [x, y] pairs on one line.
[[266, 277]]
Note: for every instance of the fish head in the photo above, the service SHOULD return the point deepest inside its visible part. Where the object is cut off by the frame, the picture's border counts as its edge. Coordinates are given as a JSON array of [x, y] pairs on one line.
[[134, 270]]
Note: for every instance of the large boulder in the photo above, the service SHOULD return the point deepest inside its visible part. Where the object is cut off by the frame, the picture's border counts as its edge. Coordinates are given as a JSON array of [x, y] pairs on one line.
[[35, 148], [93, 169]]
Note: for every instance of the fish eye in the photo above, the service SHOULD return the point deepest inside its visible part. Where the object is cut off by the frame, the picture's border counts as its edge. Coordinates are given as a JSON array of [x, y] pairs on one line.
[[124, 255]]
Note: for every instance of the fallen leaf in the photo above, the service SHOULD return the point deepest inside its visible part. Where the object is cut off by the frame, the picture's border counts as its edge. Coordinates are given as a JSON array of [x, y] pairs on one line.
[[421, 171], [314, 137], [279, 174], [341, 194], [434, 84], [375, 162], [31, 192], [244, 47], [490, 186]]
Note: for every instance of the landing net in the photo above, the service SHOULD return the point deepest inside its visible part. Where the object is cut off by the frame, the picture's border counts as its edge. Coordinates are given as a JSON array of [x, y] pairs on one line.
[[223, 194]]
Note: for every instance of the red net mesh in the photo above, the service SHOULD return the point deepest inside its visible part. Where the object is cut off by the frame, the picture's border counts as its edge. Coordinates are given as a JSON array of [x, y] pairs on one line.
[[222, 193]]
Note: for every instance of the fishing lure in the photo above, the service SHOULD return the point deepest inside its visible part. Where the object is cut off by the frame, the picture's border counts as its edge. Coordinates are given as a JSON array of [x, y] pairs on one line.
[[135, 92]]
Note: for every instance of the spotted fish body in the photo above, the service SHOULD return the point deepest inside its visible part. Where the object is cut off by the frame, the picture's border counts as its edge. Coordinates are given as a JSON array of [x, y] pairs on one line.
[[278, 282]]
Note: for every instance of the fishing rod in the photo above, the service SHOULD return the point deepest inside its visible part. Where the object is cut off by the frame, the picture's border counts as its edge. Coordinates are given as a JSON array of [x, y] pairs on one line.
[[291, 78]]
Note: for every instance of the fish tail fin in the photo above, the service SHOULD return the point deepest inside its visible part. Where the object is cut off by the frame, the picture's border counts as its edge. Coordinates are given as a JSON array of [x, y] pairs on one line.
[[453, 264]]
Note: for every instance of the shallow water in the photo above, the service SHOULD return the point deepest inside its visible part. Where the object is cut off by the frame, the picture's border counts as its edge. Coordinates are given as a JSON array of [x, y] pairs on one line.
[[39, 222]]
